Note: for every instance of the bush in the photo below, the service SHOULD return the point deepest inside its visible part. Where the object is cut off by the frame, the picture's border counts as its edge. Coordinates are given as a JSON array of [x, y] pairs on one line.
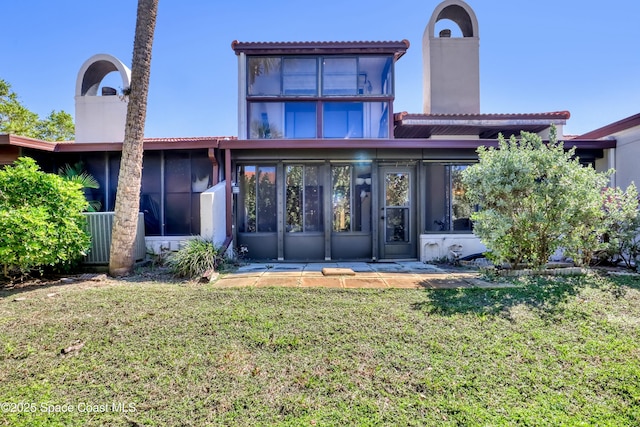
[[535, 198], [41, 219], [196, 258], [622, 224]]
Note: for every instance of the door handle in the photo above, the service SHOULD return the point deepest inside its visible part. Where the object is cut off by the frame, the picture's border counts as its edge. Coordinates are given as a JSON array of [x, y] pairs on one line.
[[382, 217]]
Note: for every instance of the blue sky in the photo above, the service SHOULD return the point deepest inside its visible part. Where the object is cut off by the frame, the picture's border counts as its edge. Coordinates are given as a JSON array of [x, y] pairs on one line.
[[540, 56]]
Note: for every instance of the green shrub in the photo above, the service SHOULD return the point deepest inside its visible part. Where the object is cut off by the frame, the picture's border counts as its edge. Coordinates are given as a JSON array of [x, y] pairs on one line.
[[622, 224], [535, 199], [41, 221], [195, 258]]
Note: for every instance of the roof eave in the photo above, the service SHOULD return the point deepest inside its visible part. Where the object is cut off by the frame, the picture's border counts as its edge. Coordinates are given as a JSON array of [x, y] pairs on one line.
[[397, 48], [613, 128], [400, 143]]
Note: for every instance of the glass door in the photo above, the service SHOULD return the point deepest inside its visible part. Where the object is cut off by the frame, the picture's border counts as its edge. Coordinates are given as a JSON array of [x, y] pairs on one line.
[[397, 213]]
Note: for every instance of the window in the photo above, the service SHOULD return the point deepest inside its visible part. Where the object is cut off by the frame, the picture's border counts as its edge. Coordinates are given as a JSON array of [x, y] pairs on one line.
[[355, 120], [366, 75], [257, 201], [304, 199], [351, 198], [151, 193], [277, 120], [263, 75], [340, 76], [275, 76], [461, 208], [300, 97], [374, 75], [185, 177], [300, 120], [299, 76], [448, 209], [343, 120]]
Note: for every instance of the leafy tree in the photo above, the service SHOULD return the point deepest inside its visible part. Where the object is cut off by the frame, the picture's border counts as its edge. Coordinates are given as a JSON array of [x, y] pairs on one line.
[[41, 219], [57, 126], [535, 198], [17, 119], [125, 224]]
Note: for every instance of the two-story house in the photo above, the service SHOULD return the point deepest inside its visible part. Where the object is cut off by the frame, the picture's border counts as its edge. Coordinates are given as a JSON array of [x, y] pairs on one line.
[[323, 166], [326, 169]]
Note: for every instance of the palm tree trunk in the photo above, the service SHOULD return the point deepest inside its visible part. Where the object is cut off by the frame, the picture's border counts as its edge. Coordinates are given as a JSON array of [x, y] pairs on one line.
[[125, 222]]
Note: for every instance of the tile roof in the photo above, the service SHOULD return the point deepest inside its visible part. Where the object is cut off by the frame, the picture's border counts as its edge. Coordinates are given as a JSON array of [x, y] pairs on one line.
[[188, 139]]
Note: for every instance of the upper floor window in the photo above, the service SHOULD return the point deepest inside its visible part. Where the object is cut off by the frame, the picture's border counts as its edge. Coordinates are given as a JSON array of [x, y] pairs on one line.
[[306, 97], [299, 76], [264, 75], [275, 76], [369, 76], [340, 76]]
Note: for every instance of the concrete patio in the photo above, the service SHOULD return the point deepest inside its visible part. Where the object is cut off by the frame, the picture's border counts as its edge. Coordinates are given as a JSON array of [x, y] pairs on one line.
[[345, 275]]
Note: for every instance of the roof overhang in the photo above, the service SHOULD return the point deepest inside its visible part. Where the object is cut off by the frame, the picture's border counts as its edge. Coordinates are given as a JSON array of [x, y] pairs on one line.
[[232, 143], [87, 147], [484, 126], [395, 48], [389, 144], [613, 128]]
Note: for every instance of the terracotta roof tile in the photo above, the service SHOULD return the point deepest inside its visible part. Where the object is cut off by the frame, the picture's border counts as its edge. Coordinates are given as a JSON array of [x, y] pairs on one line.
[[188, 139]]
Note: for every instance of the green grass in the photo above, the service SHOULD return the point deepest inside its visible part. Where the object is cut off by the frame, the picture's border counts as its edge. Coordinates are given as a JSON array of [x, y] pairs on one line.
[[553, 352]]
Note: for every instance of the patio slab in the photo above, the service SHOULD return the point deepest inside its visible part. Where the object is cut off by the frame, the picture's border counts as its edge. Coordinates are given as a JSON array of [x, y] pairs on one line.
[[278, 281], [287, 267], [358, 267], [387, 267], [251, 268], [321, 282], [404, 282], [405, 275]]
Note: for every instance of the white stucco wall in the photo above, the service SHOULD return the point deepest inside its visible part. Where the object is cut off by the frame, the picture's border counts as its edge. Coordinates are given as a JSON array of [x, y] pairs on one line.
[[212, 223], [212, 213], [100, 118], [607, 161], [438, 246], [627, 157]]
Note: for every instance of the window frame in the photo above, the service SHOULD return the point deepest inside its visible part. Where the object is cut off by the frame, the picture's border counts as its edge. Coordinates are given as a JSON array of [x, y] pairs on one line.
[[384, 95]]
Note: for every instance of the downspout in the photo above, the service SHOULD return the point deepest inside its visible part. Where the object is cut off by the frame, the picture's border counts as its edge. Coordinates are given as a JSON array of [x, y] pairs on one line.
[[216, 167], [612, 165], [228, 195]]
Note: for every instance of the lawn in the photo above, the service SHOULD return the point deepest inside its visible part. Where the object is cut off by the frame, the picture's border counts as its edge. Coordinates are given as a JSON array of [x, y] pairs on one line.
[[551, 352]]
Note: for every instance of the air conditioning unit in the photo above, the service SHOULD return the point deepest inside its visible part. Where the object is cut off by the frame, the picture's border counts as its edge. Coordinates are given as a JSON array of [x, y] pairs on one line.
[[99, 226]]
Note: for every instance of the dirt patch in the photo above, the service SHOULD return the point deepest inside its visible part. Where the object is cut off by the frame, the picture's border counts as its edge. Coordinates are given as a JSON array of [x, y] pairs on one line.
[[86, 280]]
